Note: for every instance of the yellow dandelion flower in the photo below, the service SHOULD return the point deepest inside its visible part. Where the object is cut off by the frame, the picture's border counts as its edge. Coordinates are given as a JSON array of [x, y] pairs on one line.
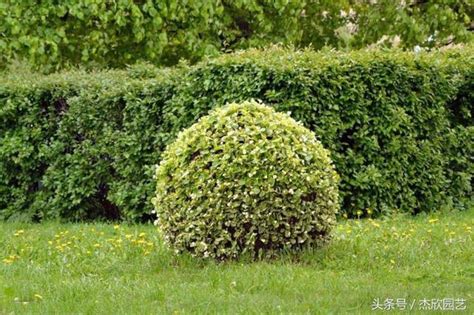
[[19, 232], [392, 261], [116, 227]]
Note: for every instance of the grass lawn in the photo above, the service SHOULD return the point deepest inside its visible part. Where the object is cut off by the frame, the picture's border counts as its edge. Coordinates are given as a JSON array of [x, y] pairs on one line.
[[54, 268]]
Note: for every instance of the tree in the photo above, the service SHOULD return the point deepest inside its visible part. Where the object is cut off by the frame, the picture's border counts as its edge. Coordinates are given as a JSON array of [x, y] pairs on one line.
[[53, 34]]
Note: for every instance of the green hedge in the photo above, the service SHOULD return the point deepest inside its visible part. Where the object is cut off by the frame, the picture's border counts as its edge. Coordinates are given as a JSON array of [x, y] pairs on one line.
[[82, 145]]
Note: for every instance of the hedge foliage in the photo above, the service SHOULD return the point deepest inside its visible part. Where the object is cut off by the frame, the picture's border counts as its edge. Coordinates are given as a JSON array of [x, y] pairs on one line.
[[82, 145], [246, 179]]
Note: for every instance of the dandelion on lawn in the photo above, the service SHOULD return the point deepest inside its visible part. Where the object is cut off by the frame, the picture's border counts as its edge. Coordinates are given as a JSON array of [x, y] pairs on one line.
[[10, 259], [116, 227], [7, 261], [19, 232]]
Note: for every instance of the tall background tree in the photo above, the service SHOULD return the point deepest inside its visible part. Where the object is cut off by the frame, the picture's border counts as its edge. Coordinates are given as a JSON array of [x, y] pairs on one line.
[[51, 34]]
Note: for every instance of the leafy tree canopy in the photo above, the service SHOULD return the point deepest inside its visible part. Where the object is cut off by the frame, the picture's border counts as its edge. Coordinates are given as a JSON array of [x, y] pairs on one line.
[[52, 34]]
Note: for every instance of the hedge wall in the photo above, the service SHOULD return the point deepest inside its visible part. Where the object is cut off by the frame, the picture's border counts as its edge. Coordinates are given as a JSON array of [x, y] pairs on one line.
[[80, 145]]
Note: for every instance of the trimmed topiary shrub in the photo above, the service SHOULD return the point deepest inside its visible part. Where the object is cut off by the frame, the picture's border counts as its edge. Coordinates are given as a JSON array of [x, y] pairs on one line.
[[245, 179]]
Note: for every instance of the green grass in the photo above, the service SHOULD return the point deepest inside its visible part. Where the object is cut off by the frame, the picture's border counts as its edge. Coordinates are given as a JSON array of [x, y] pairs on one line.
[[56, 268]]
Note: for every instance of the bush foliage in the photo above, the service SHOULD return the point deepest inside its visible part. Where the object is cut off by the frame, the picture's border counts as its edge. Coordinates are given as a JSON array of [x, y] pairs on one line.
[[245, 179], [83, 145]]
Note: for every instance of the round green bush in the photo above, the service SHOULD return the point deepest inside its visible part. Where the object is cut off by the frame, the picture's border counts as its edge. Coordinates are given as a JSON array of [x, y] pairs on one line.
[[245, 179]]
